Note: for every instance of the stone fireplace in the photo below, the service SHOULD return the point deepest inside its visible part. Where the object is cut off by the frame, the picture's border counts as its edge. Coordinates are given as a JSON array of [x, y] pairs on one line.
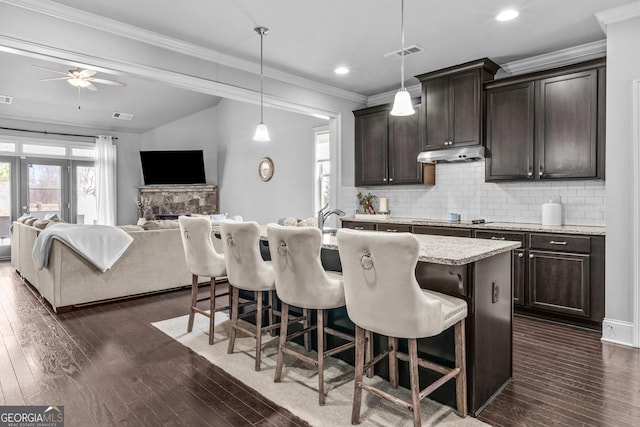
[[170, 201]]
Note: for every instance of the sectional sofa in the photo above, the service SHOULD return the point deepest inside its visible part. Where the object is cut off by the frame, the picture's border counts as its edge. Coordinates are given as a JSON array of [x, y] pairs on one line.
[[153, 262]]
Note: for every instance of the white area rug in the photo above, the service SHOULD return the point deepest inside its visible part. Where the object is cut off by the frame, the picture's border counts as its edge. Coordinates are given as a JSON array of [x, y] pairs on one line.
[[298, 391]]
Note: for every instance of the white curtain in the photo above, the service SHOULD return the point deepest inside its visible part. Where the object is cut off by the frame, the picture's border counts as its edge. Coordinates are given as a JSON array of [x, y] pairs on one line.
[[106, 180]]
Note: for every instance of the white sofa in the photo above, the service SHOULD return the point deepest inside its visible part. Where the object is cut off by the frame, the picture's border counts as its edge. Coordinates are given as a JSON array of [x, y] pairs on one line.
[[153, 262]]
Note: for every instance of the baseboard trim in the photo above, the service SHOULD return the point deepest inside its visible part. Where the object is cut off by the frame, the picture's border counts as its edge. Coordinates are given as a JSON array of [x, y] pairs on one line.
[[618, 332]]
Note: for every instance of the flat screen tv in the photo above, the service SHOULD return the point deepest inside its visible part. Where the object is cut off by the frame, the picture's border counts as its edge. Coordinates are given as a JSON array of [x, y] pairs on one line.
[[172, 167]]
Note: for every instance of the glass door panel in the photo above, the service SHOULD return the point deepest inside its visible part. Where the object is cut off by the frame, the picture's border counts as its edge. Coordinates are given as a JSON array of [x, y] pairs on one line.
[[7, 208], [44, 188], [85, 194]]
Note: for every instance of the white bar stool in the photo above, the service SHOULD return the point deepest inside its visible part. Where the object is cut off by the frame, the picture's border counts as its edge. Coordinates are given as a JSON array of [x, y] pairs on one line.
[[202, 260], [383, 296], [247, 270], [301, 281]]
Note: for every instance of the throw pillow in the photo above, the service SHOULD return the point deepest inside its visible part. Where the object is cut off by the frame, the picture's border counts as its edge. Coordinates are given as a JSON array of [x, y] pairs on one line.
[[41, 223], [23, 218], [53, 222], [160, 224], [30, 221]]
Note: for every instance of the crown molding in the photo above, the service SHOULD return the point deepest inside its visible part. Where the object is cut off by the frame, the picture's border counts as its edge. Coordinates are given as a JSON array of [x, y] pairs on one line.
[[38, 50], [87, 19], [559, 58], [617, 14], [387, 97]]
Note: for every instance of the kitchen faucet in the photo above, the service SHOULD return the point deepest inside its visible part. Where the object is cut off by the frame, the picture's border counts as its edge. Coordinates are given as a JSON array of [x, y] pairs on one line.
[[322, 215]]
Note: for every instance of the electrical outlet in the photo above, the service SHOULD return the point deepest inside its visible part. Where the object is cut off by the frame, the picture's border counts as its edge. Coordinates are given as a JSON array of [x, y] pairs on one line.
[[495, 292]]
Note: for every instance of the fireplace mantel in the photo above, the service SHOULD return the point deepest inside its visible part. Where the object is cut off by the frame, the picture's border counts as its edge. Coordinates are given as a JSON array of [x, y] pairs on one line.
[[167, 201]]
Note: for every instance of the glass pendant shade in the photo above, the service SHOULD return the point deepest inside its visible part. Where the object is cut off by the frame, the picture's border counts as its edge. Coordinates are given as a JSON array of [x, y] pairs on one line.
[[78, 82], [262, 133], [402, 104]]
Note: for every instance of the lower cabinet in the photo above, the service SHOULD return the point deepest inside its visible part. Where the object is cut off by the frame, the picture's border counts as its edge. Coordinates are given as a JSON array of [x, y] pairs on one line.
[[555, 276], [559, 282]]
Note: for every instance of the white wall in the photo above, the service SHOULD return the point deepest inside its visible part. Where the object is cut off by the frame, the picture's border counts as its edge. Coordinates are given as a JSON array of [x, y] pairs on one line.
[[460, 188], [242, 192], [194, 132], [623, 66]]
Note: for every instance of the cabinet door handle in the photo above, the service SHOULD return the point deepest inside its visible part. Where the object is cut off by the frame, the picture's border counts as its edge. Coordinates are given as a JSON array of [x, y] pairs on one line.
[[529, 173], [391, 230], [531, 256], [390, 179], [446, 143], [384, 179], [541, 171], [553, 242], [358, 228], [520, 255], [498, 238]]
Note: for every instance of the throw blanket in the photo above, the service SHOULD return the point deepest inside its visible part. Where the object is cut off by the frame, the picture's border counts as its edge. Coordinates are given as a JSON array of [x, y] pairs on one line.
[[101, 245]]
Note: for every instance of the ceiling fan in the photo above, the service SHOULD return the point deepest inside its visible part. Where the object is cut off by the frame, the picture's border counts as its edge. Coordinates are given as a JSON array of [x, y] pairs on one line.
[[80, 78]]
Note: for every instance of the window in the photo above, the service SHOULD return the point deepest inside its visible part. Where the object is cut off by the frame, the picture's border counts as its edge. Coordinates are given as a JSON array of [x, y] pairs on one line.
[[322, 169]]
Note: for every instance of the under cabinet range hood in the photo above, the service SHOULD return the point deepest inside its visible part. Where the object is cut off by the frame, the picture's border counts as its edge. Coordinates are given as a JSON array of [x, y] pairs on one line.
[[451, 155]]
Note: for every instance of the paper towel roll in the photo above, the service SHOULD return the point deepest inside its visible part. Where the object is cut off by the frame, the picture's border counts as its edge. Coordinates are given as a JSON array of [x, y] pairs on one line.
[[551, 214]]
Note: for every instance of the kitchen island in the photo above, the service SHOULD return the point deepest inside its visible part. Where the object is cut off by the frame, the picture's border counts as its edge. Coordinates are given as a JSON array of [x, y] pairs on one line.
[[478, 271]]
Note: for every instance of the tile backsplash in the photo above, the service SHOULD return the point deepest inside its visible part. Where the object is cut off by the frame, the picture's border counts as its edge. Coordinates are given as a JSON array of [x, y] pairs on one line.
[[460, 188]]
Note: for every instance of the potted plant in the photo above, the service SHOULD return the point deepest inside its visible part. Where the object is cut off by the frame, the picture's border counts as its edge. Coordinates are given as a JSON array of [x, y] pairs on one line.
[[366, 203]]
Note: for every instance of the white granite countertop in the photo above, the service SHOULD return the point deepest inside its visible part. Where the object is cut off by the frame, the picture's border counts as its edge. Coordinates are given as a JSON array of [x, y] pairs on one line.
[[441, 249], [506, 226]]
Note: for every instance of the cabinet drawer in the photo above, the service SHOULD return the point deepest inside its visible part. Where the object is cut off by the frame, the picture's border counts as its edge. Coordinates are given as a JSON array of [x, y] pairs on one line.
[[394, 228], [501, 235], [561, 242], [359, 225], [442, 231]]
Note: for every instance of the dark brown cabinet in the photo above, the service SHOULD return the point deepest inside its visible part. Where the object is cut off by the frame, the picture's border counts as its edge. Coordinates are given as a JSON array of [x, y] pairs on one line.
[[364, 225], [547, 125], [559, 282], [386, 147], [442, 231], [519, 263], [510, 132], [453, 104]]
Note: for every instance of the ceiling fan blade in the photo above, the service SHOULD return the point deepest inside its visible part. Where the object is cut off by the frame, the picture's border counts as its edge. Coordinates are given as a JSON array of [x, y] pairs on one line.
[[49, 69], [92, 88], [54, 78], [86, 73], [107, 82]]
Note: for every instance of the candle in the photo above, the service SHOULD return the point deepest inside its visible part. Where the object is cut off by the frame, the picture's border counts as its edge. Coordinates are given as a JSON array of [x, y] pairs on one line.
[[383, 205]]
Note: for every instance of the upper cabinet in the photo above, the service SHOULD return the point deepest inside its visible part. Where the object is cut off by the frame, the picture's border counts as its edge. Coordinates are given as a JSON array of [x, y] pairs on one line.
[[386, 147], [452, 101], [547, 125]]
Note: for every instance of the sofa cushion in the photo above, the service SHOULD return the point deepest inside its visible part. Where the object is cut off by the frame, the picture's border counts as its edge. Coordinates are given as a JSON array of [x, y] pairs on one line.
[[23, 218]]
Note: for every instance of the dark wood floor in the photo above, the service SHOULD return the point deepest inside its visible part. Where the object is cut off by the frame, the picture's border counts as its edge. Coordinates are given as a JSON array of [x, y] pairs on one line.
[[108, 366]]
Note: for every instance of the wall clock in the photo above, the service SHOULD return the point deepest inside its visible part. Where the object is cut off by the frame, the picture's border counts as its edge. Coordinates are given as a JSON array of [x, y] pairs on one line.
[[265, 168]]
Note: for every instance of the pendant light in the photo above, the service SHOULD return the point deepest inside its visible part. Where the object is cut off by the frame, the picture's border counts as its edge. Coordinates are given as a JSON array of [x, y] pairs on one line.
[[262, 133], [402, 102]]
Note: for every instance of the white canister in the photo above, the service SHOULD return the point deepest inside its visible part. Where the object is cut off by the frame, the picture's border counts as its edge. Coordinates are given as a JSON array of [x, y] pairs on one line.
[[552, 213]]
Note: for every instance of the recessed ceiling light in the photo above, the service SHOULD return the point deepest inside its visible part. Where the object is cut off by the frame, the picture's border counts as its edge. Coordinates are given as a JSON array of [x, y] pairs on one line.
[[507, 15], [341, 70]]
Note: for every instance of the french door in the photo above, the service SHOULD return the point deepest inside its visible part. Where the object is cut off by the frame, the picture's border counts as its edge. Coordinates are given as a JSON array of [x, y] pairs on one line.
[[45, 188], [8, 202]]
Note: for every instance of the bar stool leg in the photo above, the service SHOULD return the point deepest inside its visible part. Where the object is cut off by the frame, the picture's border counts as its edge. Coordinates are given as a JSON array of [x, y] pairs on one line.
[[272, 316], [212, 310], [258, 328], [284, 321], [461, 378], [234, 317], [320, 327], [393, 361], [415, 381], [194, 301], [305, 325], [368, 351], [359, 368]]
